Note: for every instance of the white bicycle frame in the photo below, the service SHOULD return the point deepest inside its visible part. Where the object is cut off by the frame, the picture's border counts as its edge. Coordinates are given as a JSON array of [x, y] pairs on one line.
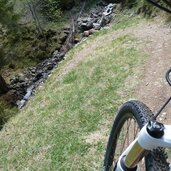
[[142, 144]]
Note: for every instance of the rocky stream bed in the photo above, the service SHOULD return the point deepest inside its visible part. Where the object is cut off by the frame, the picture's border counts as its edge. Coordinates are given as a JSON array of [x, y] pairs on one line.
[[24, 85]]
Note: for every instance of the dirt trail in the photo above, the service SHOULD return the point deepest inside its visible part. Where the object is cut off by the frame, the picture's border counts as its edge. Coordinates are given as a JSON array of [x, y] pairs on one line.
[[154, 90], [156, 42]]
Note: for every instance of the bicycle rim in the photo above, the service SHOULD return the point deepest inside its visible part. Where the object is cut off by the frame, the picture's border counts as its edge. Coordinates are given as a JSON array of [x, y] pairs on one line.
[[127, 132], [129, 120]]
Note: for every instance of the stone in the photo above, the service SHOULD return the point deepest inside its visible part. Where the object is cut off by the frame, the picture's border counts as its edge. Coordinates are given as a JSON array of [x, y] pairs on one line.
[[84, 20], [86, 33], [90, 24], [108, 9], [96, 26], [76, 40], [61, 55], [24, 85], [29, 92], [104, 21], [45, 75], [85, 24], [55, 53], [21, 103], [83, 27], [93, 15], [21, 77], [49, 66], [39, 75], [91, 31]]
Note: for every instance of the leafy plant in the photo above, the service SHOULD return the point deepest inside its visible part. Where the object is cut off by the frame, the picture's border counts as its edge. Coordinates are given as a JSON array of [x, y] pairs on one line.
[[51, 9], [7, 16]]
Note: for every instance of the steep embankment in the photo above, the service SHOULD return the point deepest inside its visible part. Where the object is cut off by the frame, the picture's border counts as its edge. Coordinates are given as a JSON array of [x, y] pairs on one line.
[[66, 125]]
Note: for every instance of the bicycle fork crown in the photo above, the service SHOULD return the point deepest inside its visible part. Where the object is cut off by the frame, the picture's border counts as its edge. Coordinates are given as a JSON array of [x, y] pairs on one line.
[[151, 136]]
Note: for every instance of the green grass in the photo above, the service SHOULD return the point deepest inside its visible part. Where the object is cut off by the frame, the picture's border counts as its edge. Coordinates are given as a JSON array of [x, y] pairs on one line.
[[65, 126]]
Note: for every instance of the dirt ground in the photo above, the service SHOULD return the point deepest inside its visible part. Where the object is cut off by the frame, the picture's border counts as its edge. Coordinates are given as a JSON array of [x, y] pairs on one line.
[[153, 89]]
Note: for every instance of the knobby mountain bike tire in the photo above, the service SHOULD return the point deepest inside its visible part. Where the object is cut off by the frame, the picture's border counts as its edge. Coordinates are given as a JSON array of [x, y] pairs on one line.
[[129, 120]]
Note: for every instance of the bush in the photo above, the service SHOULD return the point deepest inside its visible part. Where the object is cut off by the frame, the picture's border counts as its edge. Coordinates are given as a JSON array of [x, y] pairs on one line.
[[66, 4], [50, 9]]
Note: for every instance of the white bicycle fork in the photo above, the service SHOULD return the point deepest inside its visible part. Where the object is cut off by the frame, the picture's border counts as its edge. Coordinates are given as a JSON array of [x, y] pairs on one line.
[[150, 137]]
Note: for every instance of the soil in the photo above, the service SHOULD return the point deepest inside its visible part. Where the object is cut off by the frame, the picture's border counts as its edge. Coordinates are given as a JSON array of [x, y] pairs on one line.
[[152, 88]]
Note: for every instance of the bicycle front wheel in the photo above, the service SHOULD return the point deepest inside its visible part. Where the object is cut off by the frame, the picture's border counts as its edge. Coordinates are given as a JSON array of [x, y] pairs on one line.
[[130, 119]]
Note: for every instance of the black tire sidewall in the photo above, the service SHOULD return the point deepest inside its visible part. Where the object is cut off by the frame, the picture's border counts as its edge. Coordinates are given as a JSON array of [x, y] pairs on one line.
[[131, 109]]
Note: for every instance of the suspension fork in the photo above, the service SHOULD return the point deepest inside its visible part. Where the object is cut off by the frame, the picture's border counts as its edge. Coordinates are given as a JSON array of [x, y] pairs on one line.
[[151, 136]]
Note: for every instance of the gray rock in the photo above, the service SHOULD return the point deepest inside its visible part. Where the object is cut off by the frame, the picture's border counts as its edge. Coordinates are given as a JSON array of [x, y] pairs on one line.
[[39, 74], [50, 66], [90, 24], [93, 15], [21, 103], [55, 53], [84, 20], [104, 21], [76, 40], [25, 84], [92, 31], [83, 27], [96, 26], [86, 33], [29, 93]]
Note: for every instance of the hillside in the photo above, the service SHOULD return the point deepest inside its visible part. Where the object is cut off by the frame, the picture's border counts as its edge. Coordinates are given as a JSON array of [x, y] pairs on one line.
[[65, 126]]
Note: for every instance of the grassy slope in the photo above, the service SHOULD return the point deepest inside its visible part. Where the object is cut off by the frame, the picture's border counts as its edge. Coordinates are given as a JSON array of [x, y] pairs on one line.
[[65, 126]]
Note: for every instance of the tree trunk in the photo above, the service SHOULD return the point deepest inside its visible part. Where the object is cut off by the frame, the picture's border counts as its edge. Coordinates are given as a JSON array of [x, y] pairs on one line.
[[3, 85]]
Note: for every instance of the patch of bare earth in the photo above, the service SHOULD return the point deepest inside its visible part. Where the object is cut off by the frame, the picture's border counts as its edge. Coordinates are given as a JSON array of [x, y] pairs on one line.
[[152, 89]]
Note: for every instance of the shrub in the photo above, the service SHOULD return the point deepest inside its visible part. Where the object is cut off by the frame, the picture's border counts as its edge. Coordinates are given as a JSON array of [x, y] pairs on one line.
[[50, 9]]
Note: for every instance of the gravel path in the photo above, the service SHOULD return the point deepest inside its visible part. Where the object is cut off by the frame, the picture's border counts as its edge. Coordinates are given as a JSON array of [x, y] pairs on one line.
[[154, 90]]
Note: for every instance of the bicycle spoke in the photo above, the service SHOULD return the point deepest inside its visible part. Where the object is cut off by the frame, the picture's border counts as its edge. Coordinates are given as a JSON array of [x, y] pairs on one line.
[[135, 129], [127, 139], [131, 117], [127, 135]]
